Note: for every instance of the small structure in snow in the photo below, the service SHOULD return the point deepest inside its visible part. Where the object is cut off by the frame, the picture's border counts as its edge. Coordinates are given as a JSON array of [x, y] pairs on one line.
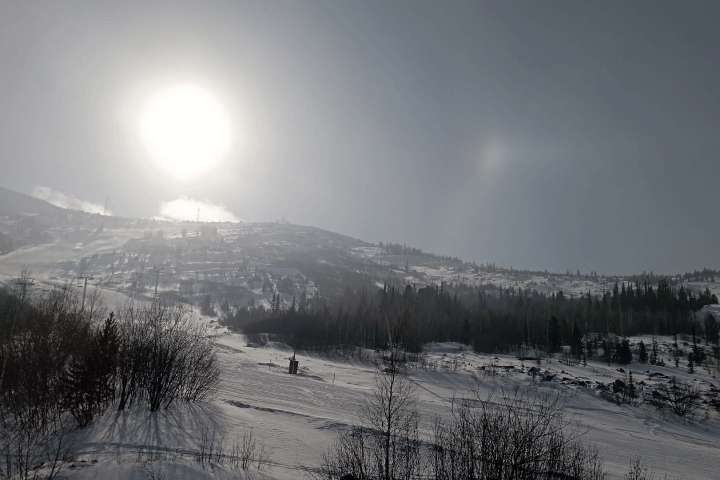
[[293, 368]]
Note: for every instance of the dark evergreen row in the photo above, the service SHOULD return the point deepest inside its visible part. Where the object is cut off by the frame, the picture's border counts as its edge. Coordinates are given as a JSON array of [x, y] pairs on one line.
[[489, 318]]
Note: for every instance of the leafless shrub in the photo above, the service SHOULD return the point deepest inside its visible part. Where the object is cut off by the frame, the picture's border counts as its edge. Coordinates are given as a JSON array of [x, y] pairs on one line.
[[638, 471], [387, 446], [32, 450], [262, 457], [511, 438], [681, 398], [163, 357], [152, 462], [210, 448], [245, 452], [40, 340], [58, 361]]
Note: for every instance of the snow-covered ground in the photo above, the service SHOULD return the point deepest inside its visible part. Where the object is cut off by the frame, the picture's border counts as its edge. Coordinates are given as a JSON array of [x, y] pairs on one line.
[[296, 417]]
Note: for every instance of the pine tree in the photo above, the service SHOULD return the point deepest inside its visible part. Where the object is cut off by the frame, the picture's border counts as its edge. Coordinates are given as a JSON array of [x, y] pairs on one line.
[[78, 387], [653, 352], [607, 351], [554, 339], [698, 353], [624, 354], [642, 352], [107, 347], [577, 342], [90, 377]]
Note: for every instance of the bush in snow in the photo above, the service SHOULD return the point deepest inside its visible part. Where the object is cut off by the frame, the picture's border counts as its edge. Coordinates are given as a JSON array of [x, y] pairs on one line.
[[681, 398], [163, 356], [387, 445], [513, 438], [59, 362]]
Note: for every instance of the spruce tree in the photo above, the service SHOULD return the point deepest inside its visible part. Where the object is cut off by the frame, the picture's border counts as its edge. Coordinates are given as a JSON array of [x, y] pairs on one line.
[[89, 380], [577, 342], [653, 352], [624, 354], [642, 352], [607, 351], [554, 335], [698, 353]]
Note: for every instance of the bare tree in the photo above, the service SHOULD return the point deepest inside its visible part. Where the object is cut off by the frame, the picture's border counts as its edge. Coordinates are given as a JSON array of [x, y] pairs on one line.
[[47, 333], [387, 445], [511, 438], [59, 362], [638, 471], [681, 398], [164, 356]]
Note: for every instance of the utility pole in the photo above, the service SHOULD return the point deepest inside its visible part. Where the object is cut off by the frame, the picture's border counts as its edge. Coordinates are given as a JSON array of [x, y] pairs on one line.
[[85, 279]]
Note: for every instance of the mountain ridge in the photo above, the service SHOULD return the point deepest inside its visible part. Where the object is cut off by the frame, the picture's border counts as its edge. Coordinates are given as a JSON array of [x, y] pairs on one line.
[[240, 263]]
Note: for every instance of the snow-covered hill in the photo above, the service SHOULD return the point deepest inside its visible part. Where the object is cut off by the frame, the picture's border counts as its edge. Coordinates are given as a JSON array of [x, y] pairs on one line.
[[236, 263], [296, 417]]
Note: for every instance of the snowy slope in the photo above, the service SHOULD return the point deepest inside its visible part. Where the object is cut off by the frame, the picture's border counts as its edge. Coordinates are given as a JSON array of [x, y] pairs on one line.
[[239, 263], [297, 417]]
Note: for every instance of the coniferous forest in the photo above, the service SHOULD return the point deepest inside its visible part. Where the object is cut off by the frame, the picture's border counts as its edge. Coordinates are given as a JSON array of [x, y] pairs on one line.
[[488, 318]]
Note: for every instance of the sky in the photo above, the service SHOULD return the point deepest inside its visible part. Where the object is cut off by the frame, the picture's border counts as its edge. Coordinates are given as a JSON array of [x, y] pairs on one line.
[[534, 134]]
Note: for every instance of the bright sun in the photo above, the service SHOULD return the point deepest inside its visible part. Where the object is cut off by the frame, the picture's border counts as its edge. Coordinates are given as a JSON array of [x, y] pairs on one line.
[[185, 130]]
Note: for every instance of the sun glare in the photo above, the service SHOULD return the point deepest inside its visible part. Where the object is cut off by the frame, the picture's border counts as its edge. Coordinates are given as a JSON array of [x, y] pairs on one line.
[[185, 130]]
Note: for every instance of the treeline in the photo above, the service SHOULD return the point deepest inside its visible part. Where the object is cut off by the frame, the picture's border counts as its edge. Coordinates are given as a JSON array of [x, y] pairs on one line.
[[62, 363], [489, 318], [704, 275], [391, 248]]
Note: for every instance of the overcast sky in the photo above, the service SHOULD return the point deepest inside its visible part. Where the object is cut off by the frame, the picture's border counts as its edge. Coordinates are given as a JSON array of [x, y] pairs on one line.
[[537, 134]]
